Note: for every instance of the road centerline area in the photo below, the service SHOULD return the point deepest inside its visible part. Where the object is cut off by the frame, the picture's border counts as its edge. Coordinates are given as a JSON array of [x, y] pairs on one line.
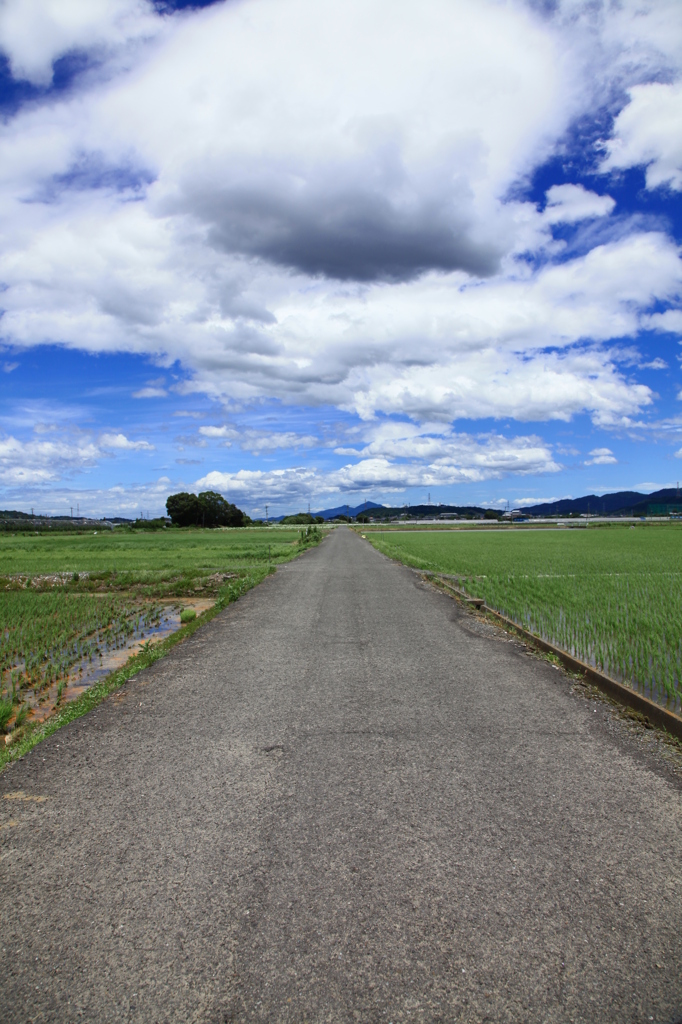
[[341, 802]]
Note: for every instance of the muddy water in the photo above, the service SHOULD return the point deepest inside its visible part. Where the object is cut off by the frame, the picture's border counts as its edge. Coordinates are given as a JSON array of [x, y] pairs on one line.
[[83, 675]]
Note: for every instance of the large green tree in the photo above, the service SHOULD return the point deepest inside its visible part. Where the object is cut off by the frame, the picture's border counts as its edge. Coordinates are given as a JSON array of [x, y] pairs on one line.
[[208, 508]]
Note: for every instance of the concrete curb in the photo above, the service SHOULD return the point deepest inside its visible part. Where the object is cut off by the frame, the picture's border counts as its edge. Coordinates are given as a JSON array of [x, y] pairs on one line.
[[655, 713]]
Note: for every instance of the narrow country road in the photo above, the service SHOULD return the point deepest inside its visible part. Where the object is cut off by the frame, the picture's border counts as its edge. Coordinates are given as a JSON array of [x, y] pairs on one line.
[[345, 799]]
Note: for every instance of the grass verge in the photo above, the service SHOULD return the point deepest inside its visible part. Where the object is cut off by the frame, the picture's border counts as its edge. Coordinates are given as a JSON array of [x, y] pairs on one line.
[[32, 733]]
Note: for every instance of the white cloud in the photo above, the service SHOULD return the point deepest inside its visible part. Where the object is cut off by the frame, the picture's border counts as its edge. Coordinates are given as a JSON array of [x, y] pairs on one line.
[[9, 367], [40, 462], [668, 322], [250, 486], [463, 455], [568, 204], [129, 501], [55, 453], [397, 456], [122, 443], [489, 383], [259, 441], [601, 457], [525, 502], [34, 33], [630, 39], [648, 131], [224, 432], [150, 392]]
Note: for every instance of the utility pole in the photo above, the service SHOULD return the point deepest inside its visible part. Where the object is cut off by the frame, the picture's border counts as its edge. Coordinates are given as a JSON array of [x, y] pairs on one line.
[[72, 511], [266, 514]]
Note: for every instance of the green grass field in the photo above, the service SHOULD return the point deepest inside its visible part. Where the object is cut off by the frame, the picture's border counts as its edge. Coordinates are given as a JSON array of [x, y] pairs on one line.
[[611, 596], [164, 563], [141, 550]]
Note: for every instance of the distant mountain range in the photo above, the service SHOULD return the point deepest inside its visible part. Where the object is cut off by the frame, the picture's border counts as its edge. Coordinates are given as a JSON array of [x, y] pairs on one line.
[[621, 502], [632, 503], [347, 510], [340, 510]]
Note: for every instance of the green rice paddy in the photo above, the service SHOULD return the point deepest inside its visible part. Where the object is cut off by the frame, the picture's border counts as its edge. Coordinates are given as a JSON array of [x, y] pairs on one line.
[[611, 596]]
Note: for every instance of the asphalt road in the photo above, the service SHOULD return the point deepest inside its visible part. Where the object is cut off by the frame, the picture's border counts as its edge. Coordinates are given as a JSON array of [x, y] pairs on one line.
[[345, 799]]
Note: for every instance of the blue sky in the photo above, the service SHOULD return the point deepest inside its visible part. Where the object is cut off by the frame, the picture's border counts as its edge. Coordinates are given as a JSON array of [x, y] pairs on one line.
[[305, 252]]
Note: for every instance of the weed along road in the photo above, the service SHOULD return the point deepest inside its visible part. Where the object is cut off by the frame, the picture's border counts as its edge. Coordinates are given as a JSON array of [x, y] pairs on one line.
[[344, 799]]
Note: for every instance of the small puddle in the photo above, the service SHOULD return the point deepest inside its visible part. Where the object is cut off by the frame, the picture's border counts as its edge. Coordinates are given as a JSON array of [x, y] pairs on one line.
[[82, 676]]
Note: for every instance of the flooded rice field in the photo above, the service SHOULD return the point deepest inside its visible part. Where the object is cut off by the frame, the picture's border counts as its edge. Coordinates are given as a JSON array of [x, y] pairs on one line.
[[52, 650]]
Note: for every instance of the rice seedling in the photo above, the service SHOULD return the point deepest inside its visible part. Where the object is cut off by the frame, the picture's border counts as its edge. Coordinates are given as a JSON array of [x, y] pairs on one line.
[[44, 635], [6, 709], [611, 597]]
